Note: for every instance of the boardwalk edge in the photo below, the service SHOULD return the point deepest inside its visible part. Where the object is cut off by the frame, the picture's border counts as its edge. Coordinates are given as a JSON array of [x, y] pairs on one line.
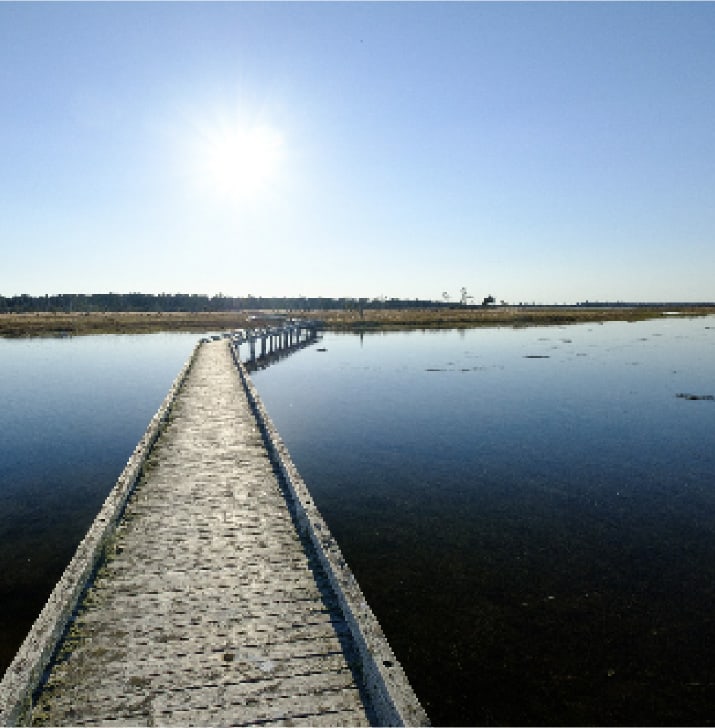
[[393, 699], [25, 672]]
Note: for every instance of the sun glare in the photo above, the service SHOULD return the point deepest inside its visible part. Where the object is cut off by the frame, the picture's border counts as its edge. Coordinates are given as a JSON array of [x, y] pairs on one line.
[[239, 163]]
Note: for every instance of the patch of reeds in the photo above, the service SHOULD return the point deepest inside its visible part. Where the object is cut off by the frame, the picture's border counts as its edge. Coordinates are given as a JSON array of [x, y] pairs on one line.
[[79, 324]]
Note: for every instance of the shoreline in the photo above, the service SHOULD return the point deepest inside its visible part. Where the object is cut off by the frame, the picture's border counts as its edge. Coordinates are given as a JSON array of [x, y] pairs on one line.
[[30, 325]]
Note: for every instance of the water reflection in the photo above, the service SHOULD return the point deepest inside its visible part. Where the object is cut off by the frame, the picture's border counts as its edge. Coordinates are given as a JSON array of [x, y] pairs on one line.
[[529, 512], [72, 412]]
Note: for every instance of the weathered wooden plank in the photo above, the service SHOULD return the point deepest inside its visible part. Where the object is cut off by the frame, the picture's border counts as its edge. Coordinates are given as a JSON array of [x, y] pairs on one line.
[[250, 710], [208, 610], [212, 604]]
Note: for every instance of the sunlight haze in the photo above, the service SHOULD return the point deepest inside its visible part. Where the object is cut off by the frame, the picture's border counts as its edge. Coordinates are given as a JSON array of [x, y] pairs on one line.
[[539, 152]]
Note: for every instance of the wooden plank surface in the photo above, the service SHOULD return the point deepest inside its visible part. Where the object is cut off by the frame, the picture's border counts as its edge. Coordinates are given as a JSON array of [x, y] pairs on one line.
[[209, 610]]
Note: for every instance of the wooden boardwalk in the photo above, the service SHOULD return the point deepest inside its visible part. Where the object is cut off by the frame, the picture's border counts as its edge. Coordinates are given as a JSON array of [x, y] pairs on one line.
[[209, 608]]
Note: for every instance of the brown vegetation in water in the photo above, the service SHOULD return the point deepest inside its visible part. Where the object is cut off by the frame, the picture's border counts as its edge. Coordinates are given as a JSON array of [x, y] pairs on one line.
[[473, 316], [77, 324]]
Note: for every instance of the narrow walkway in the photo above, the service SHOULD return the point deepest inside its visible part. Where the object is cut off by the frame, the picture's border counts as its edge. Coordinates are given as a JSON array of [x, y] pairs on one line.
[[208, 610]]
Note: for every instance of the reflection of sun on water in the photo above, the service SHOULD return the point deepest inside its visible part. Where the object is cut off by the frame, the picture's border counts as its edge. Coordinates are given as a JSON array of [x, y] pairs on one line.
[[237, 164]]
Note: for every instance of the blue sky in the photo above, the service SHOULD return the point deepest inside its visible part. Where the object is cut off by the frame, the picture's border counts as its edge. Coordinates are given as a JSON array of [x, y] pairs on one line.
[[547, 152]]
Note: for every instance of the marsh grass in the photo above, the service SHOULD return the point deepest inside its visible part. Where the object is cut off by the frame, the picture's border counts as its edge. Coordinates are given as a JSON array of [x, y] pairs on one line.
[[473, 316], [79, 324]]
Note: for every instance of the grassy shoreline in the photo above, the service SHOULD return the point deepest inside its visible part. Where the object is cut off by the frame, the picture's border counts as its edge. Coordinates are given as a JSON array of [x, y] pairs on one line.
[[80, 324]]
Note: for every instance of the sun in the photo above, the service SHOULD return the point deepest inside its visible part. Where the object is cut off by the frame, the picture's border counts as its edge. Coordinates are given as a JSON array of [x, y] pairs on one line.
[[239, 163]]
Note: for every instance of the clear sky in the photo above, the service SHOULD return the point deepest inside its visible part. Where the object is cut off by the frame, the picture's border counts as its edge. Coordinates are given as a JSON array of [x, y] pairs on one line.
[[534, 151]]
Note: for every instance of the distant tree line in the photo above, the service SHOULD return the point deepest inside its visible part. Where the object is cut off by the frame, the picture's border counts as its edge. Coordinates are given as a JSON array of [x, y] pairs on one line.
[[196, 302]]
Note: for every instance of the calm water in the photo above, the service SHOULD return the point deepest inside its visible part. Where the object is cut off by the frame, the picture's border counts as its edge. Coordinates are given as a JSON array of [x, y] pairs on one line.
[[536, 535], [530, 513], [71, 412]]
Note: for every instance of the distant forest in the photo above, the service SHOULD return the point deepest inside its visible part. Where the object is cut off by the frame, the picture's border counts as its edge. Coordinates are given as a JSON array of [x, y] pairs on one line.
[[197, 302], [193, 302]]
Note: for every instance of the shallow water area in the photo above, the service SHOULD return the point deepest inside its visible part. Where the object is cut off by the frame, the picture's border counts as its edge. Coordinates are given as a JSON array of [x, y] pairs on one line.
[[73, 409], [529, 511]]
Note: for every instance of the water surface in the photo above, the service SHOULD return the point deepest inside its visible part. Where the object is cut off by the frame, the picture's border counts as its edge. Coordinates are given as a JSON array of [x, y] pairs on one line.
[[530, 512], [72, 411]]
